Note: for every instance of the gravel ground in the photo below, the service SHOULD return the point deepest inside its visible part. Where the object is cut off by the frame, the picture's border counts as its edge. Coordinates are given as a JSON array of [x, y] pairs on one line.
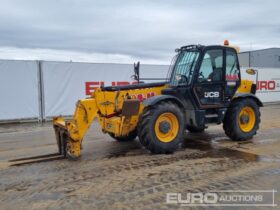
[[113, 175]]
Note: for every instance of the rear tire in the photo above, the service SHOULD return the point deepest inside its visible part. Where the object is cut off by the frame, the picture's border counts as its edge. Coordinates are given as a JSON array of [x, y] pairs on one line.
[[161, 127], [242, 119], [130, 137], [194, 129]]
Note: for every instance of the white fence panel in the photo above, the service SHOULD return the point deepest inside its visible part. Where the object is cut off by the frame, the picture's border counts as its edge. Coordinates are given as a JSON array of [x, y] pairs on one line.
[[65, 83], [154, 71], [18, 90]]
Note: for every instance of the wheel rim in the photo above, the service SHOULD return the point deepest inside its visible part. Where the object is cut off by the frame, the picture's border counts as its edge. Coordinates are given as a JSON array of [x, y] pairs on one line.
[[247, 119], [167, 127]]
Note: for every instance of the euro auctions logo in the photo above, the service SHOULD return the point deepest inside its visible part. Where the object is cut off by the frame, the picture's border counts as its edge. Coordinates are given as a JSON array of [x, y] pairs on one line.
[[91, 86], [192, 198], [267, 85], [262, 85], [224, 198]]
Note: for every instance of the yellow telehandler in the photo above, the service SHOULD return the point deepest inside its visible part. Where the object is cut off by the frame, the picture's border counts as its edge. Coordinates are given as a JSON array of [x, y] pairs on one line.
[[204, 86]]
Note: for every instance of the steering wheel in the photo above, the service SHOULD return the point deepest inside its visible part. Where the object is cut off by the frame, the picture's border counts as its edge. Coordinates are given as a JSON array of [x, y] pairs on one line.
[[181, 78]]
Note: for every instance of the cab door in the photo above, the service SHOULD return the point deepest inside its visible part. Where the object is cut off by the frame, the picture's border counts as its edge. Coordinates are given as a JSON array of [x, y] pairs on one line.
[[209, 85], [232, 76]]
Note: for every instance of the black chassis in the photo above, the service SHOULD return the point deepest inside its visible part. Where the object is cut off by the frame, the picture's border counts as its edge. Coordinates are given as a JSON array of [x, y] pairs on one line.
[[189, 97]]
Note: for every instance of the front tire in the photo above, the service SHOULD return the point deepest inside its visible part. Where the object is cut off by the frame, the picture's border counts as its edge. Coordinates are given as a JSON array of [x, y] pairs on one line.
[[242, 120], [161, 127]]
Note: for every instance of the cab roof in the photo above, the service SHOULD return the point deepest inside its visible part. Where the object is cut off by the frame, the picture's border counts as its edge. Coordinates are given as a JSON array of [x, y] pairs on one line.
[[200, 47]]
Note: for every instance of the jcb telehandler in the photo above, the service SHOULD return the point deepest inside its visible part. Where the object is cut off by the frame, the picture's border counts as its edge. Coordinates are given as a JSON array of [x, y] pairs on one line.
[[204, 86]]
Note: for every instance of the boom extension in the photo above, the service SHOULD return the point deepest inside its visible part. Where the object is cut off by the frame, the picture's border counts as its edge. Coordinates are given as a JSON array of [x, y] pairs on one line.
[[70, 134], [117, 111]]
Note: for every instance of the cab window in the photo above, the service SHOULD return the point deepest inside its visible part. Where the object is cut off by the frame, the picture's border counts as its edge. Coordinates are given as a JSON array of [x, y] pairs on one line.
[[232, 70], [211, 69]]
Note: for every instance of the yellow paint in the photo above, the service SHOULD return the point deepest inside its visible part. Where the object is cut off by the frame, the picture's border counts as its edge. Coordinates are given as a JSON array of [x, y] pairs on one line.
[[173, 130], [106, 106], [245, 86], [250, 114], [86, 111]]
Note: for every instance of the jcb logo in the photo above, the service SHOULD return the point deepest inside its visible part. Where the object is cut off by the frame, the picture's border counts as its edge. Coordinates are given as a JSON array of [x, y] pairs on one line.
[[211, 94]]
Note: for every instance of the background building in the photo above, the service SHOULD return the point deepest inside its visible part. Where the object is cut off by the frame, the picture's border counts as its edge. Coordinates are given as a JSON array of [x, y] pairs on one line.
[[269, 58]]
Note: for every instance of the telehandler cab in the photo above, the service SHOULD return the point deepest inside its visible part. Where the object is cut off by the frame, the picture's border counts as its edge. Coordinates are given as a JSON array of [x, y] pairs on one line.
[[204, 86]]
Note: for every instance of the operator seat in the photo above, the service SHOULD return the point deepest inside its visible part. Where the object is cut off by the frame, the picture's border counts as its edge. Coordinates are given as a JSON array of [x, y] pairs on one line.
[[216, 75]]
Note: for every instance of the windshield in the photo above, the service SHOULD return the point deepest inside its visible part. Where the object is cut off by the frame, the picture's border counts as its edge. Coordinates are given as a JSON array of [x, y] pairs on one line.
[[183, 69]]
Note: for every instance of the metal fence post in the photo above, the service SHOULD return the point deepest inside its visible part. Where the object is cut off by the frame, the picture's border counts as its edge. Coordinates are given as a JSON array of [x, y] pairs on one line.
[[41, 96]]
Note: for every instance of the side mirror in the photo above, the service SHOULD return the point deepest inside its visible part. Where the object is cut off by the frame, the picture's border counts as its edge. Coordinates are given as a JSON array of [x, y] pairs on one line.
[[136, 71], [251, 71]]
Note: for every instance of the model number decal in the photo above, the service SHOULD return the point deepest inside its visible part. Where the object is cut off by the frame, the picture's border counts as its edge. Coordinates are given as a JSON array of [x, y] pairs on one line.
[[211, 94]]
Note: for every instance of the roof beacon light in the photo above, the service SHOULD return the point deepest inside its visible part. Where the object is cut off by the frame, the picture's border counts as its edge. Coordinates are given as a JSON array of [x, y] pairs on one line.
[[226, 42]]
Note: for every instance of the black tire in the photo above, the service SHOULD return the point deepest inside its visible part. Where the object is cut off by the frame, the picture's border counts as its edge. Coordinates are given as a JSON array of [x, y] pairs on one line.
[[131, 136], [194, 129], [231, 122], [146, 128]]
